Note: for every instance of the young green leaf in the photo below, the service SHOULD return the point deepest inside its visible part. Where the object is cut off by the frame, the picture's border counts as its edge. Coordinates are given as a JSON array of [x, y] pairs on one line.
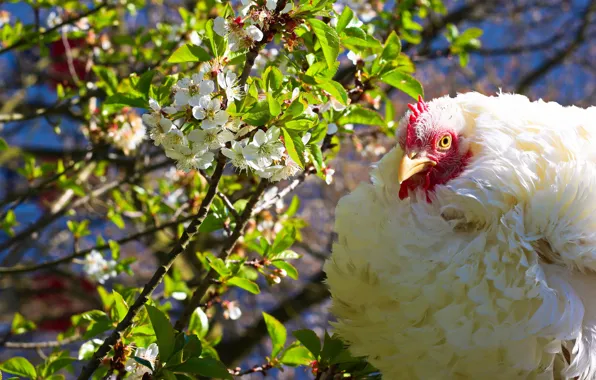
[[289, 268], [392, 47], [199, 323], [207, 367], [403, 82], [164, 332], [344, 19], [126, 100], [277, 332], [244, 284], [358, 115], [19, 366], [328, 38], [310, 340], [284, 240], [336, 90], [189, 53], [296, 355], [294, 146]]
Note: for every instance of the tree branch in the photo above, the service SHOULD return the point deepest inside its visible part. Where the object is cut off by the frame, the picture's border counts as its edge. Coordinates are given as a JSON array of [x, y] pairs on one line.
[[37, 345], [27, 39], [199, 293], [529, 79], [191, 231]]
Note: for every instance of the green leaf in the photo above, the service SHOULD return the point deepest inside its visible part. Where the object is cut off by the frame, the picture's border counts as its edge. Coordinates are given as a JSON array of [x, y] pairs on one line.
[[286, 255], [19, 366], [245, 284], [143, 362], [358, 39], [297, 355], [274, 106], [57, 364], [273, 78], [358, 115], [258, 115], [144, 83], [120, 308], [189, 53], [21, 325], [310, 340], [126, 100], [199, 323], [277, 332], [317, 156], [331, 347], [403, 82], [293, 207], [108, 77], [392, 47], [299, 125], [344, 19], [164, 332], [98, 327], [294, 146], [336, 90], [289, 268], [328, 38], [207, 367], [219, 266], [284, 240], [3, 144]]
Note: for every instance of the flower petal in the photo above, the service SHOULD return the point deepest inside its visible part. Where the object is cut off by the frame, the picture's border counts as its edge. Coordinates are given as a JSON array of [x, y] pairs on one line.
[[198, 113], [206, 87]]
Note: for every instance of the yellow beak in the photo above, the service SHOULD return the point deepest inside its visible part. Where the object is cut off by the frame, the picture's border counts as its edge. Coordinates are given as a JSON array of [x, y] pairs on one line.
[[410, 165]]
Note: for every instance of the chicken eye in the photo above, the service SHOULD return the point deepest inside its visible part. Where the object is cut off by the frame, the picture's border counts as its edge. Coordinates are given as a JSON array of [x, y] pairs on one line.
[[445, 142]]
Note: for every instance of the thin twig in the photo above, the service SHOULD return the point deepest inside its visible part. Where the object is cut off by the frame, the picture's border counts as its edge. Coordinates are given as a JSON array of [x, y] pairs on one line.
[[36, 345], [28, 38], [191, 231]]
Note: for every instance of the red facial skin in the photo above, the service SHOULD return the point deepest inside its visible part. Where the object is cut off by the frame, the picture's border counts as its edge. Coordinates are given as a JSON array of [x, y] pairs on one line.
[[450, 162]]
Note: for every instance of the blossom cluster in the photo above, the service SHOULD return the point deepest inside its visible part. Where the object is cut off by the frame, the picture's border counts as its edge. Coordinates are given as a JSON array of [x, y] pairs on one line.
[[197, 124], [127, 131], [98, 268], [138, 371]]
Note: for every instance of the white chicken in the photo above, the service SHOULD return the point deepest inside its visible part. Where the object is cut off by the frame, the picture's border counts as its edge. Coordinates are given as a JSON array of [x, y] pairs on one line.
[[472, 255]]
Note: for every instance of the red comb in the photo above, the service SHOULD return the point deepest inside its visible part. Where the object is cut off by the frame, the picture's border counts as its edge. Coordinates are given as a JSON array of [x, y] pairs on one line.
[[417, 110]]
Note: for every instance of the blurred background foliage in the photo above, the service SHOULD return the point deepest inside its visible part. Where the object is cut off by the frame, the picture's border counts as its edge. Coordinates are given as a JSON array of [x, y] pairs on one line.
[[74, 73]]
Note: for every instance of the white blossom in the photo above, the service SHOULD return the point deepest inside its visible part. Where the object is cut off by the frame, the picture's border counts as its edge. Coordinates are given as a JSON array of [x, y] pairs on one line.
[[232, 311], [138, 370], [209, 112], [332, 103], [220, 26], [228, 81], [328, 175], [354, 57], [194, 38], [128, 132], [191, 157], [190, 90], [281, 172], [264, 148], [211, 139], [331, 128], [236, 154], [254, 33], [98, 268]]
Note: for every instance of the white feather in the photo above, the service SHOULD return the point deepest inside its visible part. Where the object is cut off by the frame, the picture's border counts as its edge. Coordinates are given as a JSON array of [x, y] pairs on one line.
[[502, 297]]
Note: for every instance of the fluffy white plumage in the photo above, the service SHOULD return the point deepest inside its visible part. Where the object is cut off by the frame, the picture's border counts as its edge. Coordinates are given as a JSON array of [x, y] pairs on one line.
[[496, 278]]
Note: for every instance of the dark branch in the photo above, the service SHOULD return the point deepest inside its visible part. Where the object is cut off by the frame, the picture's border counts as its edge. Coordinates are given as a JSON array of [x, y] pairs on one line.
[[189, 234]]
